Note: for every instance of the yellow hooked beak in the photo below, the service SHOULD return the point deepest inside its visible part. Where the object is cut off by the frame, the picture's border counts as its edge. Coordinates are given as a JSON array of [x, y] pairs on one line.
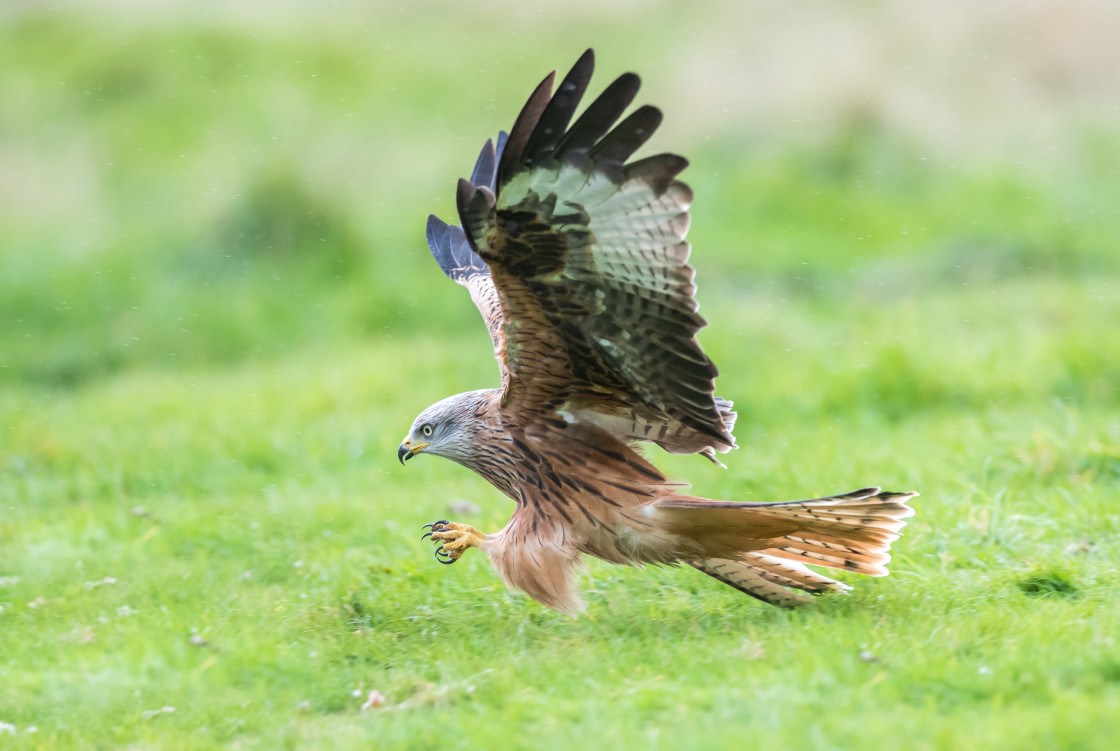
[[406, 450]]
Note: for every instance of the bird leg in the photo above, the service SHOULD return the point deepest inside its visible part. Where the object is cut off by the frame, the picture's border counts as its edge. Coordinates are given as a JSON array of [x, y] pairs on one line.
[[454, 539]]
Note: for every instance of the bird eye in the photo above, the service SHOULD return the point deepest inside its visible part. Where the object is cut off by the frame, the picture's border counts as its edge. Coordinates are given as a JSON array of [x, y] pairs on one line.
[[426, 430]]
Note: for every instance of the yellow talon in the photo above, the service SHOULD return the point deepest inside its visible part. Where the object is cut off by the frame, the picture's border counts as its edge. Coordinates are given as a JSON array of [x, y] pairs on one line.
[[455, 539]]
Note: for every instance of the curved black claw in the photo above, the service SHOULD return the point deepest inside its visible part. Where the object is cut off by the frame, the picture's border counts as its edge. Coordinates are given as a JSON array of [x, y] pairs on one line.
[[432, 527], [441, 555]]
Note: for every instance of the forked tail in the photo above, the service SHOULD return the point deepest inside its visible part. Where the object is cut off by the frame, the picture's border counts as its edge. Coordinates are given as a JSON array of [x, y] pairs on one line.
[[762, 548]]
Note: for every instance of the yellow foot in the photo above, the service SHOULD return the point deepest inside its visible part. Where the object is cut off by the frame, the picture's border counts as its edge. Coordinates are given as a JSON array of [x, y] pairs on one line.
[[454, 539]]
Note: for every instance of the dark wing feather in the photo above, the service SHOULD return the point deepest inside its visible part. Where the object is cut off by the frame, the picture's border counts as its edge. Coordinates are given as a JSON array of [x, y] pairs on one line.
[[486, 166], [617, 146], [451, 250], [588, 258], [523, 127], [558, 113], [458, 260], [604, 112], [448, 243]]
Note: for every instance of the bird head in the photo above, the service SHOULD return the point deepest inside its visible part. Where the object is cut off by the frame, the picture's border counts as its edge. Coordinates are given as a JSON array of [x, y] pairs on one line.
[[447, 428]]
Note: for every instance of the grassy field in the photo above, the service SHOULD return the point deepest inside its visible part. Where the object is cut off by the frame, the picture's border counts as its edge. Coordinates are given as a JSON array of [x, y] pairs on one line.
[[218, 318]]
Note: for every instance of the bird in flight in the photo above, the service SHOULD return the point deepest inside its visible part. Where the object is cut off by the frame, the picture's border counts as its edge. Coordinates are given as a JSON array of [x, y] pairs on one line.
[[575, 255]]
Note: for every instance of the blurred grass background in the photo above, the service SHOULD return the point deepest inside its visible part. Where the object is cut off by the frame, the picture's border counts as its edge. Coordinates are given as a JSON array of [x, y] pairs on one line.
[[218, 316]]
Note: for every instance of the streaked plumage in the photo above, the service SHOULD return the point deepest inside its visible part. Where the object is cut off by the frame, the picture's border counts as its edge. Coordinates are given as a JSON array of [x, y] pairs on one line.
[[576, 258]]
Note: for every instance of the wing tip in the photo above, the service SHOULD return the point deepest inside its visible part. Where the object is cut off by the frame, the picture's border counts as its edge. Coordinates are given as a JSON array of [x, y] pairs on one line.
[[485, 167], [449, 246], [524, 125]]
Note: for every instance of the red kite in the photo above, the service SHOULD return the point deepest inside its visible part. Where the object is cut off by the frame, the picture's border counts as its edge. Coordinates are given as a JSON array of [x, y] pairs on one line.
[[576, 257]]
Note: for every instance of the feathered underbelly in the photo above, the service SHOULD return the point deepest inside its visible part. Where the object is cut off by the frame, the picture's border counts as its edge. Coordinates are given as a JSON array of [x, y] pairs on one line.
[[629, 536]]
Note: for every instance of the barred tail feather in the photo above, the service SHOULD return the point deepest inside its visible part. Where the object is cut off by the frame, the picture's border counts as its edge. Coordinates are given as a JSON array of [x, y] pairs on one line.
[[850, 532], [768, 579], [751, 581]]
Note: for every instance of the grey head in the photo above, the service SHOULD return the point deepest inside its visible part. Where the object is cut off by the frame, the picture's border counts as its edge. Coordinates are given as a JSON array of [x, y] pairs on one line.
[[449, 428]]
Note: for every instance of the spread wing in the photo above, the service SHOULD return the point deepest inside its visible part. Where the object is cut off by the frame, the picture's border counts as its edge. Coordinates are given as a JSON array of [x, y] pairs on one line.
[[588, 265]]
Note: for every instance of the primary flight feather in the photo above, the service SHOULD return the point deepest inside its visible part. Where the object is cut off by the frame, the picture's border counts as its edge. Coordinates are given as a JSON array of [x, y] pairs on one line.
[[575, 255]]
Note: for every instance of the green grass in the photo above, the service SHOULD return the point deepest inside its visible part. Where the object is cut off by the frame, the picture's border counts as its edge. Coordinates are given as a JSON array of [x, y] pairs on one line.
[[217, 320]]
